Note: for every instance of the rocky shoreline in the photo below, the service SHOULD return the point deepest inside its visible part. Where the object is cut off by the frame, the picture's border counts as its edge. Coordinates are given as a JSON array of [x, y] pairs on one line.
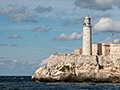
[[79, 68]]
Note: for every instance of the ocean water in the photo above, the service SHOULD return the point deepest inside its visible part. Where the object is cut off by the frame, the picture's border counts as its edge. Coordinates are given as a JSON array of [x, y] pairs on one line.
[[25, 83]]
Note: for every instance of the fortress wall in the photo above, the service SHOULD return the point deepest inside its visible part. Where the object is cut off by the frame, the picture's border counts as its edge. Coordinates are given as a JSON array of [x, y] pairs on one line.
[[97, 49], [115, 51]]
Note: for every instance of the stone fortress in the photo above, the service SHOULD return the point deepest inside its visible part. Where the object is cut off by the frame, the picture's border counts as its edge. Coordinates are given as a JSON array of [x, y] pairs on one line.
[[92, 63], [110, 49]]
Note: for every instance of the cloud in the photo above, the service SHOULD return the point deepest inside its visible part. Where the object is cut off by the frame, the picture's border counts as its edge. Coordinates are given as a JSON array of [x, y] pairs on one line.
[[107, 25], [66, 23], [94, 32], [21, 15], [44, 62], [14, 45], [18, 67], [107, 40], [100, 16], [15, 66], [110, 40], [35, 36], [54, 9], [117, 41], [97, 4], [8, 9], [79, 20], [2, 57], [46, 28], [3, 44], [6, 63], [15, 61], [1, 63], [66, 37], [14, 37], [40, 9]]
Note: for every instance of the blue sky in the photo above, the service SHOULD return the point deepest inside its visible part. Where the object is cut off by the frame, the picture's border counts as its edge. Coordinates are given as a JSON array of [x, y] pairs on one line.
[[31, 30]]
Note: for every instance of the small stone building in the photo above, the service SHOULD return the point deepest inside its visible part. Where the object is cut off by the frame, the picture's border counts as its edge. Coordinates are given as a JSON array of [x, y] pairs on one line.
[[78, 51], [101, 49]]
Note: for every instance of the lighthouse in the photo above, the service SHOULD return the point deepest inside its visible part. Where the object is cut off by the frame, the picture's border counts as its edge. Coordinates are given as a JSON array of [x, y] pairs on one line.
[[87, 39]]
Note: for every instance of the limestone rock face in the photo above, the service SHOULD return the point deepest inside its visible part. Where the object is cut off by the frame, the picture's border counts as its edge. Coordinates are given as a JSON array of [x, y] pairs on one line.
[[79, 68]]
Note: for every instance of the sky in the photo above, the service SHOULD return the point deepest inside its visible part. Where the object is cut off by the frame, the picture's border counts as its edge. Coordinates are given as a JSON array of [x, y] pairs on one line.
[[31, 30]]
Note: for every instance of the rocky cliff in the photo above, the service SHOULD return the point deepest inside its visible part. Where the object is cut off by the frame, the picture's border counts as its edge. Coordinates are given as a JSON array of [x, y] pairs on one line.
[[79, 68]]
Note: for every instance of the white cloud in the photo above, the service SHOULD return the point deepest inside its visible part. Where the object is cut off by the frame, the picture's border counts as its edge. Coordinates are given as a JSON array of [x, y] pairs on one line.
[[107, 25], [15, 61], [3, 44], [105, 2], [2, 57], [1, 63], [93, 4], [41, 9], [46, 28], [8, 9], [110, 40], [117, 41], [79, 20], [14, 37], [44, 62], [21, 15], [66, 37], [107, 40], [17, 14], [66, 23], [14, 45], [97, 4], [100, 16], [17, 67], [53, 9]]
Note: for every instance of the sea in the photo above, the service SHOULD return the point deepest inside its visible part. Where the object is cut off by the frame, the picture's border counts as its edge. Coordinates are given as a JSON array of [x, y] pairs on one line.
[[25, 83]]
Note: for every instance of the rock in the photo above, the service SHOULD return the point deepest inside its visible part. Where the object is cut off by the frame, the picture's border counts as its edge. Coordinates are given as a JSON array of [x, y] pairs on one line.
[[79, 68]]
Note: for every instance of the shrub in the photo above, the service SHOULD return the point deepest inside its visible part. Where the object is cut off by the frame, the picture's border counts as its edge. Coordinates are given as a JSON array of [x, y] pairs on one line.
[[64, 68]]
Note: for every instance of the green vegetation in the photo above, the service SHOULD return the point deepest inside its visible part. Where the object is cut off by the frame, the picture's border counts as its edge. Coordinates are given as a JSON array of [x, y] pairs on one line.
[[64, 68]]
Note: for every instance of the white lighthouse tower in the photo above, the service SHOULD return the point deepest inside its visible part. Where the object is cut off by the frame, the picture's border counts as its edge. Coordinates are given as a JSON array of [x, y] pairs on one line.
[[87, 41]]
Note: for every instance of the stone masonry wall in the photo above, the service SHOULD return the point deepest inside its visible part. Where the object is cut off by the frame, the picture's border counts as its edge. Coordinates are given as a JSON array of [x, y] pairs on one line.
[[115, 51]]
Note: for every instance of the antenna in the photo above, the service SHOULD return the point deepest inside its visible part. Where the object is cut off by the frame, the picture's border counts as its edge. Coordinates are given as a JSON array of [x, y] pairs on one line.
[[55, 52], [113, 38]]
